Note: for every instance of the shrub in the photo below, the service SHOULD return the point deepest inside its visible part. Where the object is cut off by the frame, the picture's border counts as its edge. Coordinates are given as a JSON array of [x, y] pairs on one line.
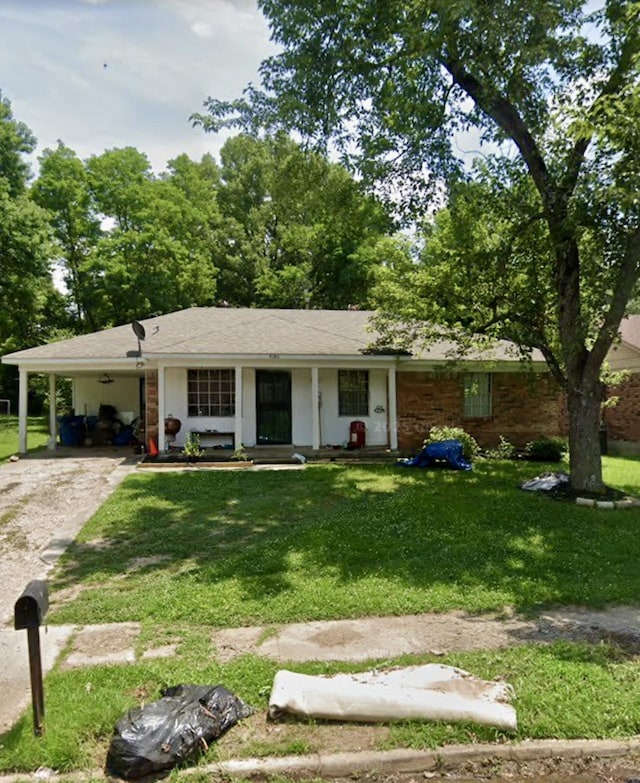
[[192, 447], [545, 449], [470, 446], [504, 450]]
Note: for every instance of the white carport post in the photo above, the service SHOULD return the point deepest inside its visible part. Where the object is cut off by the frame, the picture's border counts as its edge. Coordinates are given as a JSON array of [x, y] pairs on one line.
[[393, 409], [315, 408], [237, 424], [162, 445], [22, 410], [51, 445]]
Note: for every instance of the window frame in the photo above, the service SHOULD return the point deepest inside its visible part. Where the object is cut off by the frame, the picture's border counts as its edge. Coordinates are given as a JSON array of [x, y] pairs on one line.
[[211, 392], [477, 404], [353, 401]]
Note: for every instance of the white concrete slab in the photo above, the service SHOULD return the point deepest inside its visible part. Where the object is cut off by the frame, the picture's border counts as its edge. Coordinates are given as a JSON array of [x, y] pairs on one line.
[[15, 685]]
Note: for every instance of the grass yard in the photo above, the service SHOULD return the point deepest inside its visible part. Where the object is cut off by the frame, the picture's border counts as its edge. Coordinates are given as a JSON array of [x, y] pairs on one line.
[[234, 548], [182, 552], [38, 434]]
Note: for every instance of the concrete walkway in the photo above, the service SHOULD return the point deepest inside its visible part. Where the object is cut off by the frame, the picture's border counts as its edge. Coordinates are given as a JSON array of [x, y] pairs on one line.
[[337, 640]]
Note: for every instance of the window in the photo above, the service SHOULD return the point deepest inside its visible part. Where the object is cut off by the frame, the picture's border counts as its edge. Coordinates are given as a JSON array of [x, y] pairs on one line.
[[477, 395], [211, 392], [353, 392]]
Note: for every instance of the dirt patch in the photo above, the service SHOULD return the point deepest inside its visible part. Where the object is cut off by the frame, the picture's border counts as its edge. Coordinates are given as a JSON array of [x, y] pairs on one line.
[[144, 562], [257, 736]]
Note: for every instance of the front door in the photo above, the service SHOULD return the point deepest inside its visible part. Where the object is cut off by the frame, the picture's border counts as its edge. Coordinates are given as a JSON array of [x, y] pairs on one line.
[[273, 407]]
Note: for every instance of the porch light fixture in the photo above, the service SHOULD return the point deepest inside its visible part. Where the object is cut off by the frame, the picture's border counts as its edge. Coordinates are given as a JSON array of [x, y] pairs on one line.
[[105, 378]]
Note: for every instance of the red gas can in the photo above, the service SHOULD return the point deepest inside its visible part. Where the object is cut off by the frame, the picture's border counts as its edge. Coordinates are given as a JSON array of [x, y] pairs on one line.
[[357, 435]]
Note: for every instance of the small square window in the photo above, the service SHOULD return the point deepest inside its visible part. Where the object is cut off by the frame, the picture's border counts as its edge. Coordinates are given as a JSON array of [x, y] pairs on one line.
[[353, 392]]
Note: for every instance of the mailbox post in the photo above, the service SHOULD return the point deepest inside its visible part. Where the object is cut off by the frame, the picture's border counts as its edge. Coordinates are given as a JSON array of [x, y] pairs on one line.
[[29, 611]]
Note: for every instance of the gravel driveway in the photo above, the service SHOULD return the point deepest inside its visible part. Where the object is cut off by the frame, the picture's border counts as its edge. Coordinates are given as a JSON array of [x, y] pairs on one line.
[[44, 501]]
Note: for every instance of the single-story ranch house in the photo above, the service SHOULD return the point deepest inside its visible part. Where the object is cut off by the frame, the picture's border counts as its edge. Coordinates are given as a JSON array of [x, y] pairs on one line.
[[306, 378]]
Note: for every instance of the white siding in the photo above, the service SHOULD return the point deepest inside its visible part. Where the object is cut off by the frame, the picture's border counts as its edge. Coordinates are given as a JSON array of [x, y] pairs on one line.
[[334, 429], [89, 395], [621, 357]]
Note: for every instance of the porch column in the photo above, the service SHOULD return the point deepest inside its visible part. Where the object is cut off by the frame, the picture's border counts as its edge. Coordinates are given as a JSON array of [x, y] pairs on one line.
[[162, 445], [315, 409], [51, 445], [22, 410], [393, 409], [237, 424]]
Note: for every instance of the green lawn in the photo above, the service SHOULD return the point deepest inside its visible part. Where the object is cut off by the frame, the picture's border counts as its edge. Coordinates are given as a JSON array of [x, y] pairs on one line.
[[226, 548], [38, 434], [235, 548]]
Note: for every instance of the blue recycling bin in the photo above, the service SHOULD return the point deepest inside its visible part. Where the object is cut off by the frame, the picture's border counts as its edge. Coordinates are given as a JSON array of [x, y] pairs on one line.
[[71, 430]]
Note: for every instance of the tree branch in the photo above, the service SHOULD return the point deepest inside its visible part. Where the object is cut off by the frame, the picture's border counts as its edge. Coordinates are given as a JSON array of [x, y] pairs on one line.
[[625, 282], [575, 157], [506, 116]]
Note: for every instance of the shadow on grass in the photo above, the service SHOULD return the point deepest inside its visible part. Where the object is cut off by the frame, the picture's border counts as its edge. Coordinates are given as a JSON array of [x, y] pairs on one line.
[[246, 547]]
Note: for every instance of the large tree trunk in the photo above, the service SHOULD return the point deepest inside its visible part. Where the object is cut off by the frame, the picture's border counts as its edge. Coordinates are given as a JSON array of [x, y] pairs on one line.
[[584, 401]]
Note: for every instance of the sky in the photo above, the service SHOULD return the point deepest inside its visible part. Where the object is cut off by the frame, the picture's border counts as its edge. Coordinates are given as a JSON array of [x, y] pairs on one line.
[[101, 74]]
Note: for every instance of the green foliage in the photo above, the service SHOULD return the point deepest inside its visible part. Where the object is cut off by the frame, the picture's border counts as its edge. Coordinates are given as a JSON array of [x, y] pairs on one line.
[[30, 308], [470, 448], [504, 450], [545, 449], [192, 447], [296, 228], [541, 242], [16, 141], [62, 188], [240, 454]]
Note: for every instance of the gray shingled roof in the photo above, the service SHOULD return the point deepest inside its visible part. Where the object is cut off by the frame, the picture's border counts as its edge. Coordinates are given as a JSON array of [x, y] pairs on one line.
[[215, 331]]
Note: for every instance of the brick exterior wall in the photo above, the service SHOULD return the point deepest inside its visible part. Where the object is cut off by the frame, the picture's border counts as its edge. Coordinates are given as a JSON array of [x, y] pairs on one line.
[[524, 406], [623, 420], [151, 415]]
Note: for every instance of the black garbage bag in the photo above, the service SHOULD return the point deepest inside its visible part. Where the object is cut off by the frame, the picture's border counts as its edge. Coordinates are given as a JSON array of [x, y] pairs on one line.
[[172, 730]]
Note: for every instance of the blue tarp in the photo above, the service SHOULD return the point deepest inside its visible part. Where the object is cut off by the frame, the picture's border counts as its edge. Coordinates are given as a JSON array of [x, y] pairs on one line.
[[444, 453]]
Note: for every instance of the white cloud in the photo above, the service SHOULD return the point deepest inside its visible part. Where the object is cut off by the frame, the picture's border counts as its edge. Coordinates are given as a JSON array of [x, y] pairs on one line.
[[163, 58], [202, 29]]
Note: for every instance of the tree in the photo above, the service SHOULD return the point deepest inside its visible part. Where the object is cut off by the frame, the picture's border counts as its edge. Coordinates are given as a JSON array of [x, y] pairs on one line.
[[154, 253], [554, 95], [16, 140], [62, 188], [29, 305], [294, 226]]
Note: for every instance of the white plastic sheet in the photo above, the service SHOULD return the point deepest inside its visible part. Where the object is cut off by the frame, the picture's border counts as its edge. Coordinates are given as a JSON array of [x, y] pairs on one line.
[[430, 692]]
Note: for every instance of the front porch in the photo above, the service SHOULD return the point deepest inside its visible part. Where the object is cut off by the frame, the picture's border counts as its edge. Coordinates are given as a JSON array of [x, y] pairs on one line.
[[258, 455], [309, 408]]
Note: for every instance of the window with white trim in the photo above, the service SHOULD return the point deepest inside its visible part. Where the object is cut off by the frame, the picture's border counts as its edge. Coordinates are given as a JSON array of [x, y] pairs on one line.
[[211, 392], [477, 395], [353, 392]]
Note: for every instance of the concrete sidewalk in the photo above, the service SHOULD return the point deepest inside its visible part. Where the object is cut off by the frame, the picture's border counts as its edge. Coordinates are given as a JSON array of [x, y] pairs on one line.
[[338, 640]]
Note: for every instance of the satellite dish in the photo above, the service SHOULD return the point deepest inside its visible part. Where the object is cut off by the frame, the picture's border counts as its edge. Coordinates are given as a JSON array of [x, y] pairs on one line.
[[138, 330], [140, 333]]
